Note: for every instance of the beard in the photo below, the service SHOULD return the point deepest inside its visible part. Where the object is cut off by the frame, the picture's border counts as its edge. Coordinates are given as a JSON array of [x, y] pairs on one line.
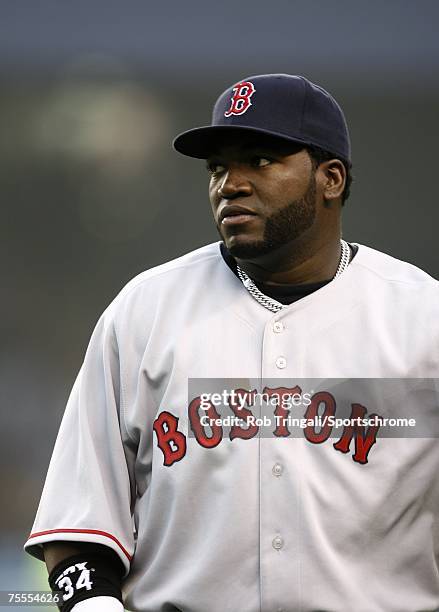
[[282, 227]]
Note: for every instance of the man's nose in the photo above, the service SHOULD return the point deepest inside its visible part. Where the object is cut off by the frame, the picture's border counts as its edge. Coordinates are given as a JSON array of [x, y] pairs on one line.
[[234, 184]]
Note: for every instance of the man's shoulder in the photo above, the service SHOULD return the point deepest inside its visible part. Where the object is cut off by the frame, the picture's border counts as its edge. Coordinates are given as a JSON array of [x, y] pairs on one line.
[[191, 267], [387, 268]]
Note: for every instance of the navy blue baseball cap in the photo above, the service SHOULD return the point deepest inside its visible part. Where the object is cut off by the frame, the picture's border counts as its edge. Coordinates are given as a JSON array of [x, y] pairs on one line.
[[278, 105]]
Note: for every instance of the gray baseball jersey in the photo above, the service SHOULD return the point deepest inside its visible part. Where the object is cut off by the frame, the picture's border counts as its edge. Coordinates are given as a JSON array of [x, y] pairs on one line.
[[245, 522]]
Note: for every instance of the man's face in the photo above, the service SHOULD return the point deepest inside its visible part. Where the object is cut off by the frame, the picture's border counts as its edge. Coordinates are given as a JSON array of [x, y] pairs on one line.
[[263, 194]]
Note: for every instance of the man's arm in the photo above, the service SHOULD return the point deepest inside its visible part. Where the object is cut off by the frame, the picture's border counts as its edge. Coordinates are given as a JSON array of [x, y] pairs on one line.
[[55, 552], [88, 481], [88, 484], [103, 586]]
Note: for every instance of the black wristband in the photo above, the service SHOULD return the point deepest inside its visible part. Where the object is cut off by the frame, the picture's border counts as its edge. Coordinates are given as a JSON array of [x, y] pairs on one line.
[[85, 575]]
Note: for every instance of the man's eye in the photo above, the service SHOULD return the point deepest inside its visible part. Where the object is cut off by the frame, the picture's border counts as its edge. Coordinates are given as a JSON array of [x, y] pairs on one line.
[[260, 162], [214, 167]]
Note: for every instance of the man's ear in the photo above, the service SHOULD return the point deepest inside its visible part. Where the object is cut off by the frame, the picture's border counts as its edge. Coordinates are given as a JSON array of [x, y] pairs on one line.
[[333, 174]]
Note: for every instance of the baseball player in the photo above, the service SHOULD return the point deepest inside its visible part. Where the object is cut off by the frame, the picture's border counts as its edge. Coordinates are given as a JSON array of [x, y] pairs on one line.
[[150, 494]]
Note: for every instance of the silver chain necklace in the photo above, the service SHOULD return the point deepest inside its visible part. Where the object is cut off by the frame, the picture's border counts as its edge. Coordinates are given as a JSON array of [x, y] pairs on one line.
[[274, 305]]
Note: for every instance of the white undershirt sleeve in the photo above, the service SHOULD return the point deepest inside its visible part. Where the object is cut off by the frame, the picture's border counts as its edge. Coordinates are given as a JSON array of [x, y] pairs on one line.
[[99, 604]]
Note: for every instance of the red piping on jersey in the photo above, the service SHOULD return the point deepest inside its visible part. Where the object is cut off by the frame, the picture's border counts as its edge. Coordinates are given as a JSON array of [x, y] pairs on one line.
[[93, 531]]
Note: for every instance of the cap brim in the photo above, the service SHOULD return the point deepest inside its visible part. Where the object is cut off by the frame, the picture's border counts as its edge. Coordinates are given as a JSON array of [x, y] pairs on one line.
[[204, 141]]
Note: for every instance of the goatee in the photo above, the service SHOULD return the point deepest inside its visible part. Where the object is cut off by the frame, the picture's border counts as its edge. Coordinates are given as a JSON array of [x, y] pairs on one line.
[[282, 227]]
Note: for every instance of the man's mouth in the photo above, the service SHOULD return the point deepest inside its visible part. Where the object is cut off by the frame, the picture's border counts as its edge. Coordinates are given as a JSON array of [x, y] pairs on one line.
[[231, 214]]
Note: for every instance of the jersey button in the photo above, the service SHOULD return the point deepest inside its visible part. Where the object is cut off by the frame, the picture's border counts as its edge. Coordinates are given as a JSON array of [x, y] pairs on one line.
[[278, 327], [277, 469], [277, 543], [281, 363]]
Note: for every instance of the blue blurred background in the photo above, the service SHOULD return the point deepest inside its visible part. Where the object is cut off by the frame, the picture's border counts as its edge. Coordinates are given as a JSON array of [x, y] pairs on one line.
[[92, 92]]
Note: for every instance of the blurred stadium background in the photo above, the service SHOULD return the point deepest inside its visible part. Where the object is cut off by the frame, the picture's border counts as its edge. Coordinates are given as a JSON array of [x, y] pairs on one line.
[[92, 92]]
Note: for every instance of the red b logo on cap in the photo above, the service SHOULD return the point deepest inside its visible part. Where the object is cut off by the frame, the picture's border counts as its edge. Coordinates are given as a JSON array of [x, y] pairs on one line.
[[241, 98]]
